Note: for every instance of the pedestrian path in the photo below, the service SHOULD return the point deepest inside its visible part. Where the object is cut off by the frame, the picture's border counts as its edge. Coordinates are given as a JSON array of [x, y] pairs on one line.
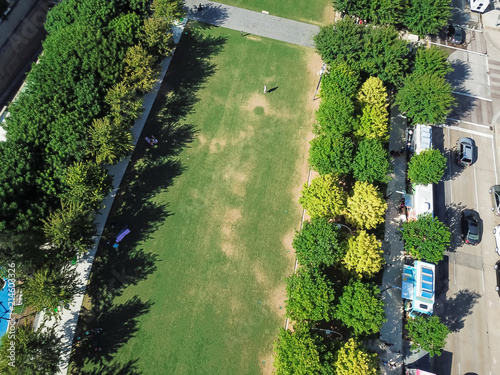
[[250, 22]]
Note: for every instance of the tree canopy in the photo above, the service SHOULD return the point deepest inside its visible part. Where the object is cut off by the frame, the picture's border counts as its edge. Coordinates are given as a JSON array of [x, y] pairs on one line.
[[365, 207], [371, 163], [331, 154], [432, 60], [426, 238], [424, 17], [318, 244], [324, 197], [427, 333], [374, 121], [364, 255], [427, 167], [360, 308], [352, 358]]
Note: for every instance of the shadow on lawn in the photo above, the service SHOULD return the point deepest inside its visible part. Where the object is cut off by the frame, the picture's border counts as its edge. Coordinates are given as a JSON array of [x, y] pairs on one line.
[[151, 171]]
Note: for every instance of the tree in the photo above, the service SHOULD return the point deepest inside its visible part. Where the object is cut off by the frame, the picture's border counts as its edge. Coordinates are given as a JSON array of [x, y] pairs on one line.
[[375, 118], [88, 184], [109, 141], [140, 71], [365, 207], [124, 106], [50, 288], [424, 17], [336, 115], [342, 80], [156, 36], [301, 353], [371, 163], [70, 228], [360, 308], [352, 358], [34, 352], [427, 333], [170, 10], [426, 238], [387, 12], [364, 255], [331, 154], [324, 197], [426, 98], [427, 167], [309, 296], [125, 28], [432, 60], [318, 244]]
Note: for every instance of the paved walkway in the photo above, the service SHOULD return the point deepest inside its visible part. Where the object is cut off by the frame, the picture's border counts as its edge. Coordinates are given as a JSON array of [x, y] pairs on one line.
[[252, 22]]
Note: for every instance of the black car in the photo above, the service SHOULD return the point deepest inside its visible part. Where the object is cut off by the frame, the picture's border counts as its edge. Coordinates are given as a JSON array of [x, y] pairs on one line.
[[456, 34], [471, 230], [497, 271]]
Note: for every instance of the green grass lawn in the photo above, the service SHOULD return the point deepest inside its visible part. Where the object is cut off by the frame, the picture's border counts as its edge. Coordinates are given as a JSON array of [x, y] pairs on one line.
[[318, 12], [198, 286]]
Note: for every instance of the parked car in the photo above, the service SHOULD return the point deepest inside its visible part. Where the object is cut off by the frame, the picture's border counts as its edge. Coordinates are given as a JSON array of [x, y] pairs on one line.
[[465, 151], [456, 34], [497, 271], [496, 232], [471, 227], [495, 199]]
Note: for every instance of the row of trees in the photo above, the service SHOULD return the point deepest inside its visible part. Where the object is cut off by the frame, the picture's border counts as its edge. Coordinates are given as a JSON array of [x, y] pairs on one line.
[[421, 17], [73, 118]]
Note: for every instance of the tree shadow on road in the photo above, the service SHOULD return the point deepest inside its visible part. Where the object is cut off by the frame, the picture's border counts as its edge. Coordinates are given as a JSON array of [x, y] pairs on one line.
[[453, 211], [458, 308]]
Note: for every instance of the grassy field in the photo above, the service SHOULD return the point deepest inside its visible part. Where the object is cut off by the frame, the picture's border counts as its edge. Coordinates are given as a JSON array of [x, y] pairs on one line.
[[198, 286], [319, 12]]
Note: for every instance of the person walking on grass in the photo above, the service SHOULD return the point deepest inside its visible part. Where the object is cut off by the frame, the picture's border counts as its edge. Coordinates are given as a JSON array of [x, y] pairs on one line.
[[265, 89]]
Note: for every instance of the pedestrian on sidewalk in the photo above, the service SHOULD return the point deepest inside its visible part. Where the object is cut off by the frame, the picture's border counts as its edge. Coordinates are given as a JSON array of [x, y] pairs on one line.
[[265, 89]]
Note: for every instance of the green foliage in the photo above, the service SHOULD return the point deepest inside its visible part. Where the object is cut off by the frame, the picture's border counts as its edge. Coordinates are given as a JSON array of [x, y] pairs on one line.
[[427, 167], [141, 72], [432, 60], [168, 9], [331, 154], [364, 255], [309, 296], [50, 288], [425, 17], [156, 36], [301, 353], [371, 163], [34, 352], [360, 308], [125, 28], [426, 238], [336, 115], [352, 358], [375, 118], [340, 79], [109, 141], [318, 244], [365, 207], [427, 333], [426, 99], [324, 197]]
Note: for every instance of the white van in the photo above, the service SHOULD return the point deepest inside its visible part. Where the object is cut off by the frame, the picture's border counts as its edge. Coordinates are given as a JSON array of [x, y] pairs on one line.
[[479, 6]]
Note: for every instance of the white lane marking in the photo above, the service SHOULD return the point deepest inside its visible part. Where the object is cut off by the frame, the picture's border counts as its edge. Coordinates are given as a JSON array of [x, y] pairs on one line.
[[468, 123], [471, 96], [483, 280], [475, 186], [449, 161], [469, 131], [454, 272], [494, 160]]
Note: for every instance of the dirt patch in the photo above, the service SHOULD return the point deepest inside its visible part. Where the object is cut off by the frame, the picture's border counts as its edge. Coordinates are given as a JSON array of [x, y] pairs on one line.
[[228, 235], [238, 178], [217, 145], [287, 244], [329, 15], [275, 299], [253, 37], [260, 274], [257, 100], [266, 364], [314, 64]]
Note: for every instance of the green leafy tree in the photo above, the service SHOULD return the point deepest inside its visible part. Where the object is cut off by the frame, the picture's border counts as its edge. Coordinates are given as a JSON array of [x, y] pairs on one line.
[[70, 228], [301, 353], [125, 28], [352, 358], [109, 141], [34, 352], [387, 12], [360, 308], [340, 79], [324, 197], [140, 72], [318, 244], [365, 207], [375, 118], [156, 36], [309, 296], [427, 167], [425, 17], [371, 163], [336, 115], [426, 238], [364, 255], [427, 333], [170, 10], [426, 98], [50, 288], [88, 184], [432, 60], [331, 154], [124, 106]]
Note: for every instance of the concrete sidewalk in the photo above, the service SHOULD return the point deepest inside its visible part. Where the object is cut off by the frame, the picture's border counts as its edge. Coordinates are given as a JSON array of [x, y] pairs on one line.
[[255, 23]]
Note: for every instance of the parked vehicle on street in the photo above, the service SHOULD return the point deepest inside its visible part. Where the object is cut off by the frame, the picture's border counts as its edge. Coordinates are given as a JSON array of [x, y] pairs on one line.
[[496, 232], [465, 151], [471, 227], [495, 199], [497, 271], [456, 34]]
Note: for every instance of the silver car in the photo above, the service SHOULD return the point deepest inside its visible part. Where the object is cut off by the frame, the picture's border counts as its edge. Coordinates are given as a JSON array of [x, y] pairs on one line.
[[465, 151], [495, 199], [496, 232]]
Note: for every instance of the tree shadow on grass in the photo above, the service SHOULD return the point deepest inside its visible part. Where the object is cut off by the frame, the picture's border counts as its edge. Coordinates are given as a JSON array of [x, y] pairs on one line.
[[458, 308]]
